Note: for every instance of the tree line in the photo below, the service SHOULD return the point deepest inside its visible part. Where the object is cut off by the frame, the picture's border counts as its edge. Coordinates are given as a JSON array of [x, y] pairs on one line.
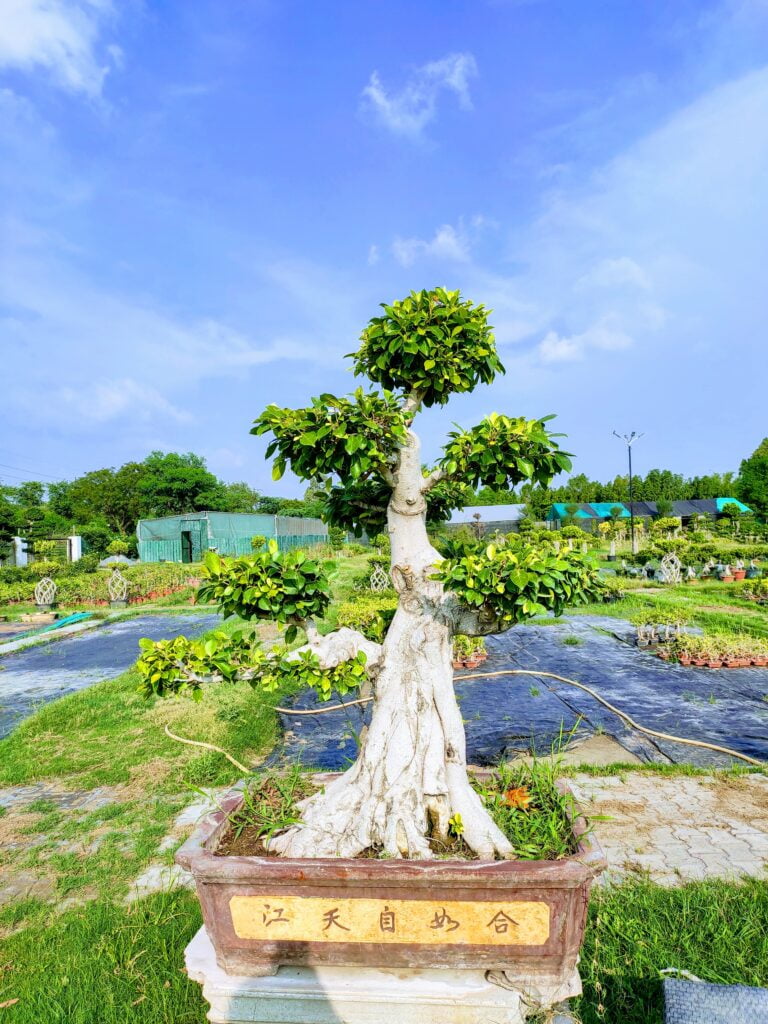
[[105, 504], [750, 485]]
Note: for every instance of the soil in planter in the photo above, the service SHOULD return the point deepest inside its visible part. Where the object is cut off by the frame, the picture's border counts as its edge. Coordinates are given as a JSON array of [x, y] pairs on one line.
[[522, 798]]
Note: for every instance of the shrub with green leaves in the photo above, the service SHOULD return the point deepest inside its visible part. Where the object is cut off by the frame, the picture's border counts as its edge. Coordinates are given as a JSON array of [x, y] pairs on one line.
[[182, 667], [519, 581], [370, 614], [285, 586]]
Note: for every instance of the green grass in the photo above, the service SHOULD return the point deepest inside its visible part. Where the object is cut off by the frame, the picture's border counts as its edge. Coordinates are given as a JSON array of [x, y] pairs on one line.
[[101, 962], [108, 734], [105, 964], [717, 930], [738, 615]]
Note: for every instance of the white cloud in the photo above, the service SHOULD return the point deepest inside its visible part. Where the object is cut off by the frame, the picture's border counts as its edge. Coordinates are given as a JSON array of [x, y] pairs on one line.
[[60, 36], [448, 244], [109, 400], [408, 111], [88, 332], [373, 255], [554, 348], [612, 273]]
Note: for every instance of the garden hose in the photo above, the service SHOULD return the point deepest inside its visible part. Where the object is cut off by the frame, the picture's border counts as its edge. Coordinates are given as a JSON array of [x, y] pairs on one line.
[[571, 682]]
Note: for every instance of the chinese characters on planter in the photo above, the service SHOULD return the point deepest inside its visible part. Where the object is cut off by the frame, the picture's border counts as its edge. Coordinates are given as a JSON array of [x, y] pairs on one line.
[[441, 919]]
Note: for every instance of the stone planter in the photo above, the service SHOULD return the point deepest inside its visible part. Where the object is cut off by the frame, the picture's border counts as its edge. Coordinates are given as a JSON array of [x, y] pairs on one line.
[[525, 918]]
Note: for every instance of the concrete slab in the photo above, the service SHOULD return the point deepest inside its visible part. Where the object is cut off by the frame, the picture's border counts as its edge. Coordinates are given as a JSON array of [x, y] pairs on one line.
[[346, 995]]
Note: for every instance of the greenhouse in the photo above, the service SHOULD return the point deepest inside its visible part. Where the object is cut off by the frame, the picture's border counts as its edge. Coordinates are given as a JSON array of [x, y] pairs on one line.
[[186, 538]]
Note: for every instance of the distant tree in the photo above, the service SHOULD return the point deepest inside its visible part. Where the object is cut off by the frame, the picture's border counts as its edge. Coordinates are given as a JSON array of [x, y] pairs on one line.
[[240, 497], [175, 483], [115, 496], [571, 513], [7, 525], [752, 485], [269, 505], [538, 502], [492, 496], [30, 494], [664, 508], [97, 536], [292, 507], [580, 489]]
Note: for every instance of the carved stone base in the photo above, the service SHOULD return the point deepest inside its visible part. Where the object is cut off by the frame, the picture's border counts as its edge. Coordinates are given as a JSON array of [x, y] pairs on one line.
[[360, 995]]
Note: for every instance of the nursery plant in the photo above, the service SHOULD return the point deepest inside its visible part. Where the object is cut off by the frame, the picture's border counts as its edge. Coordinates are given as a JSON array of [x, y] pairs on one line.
[[409, 781]]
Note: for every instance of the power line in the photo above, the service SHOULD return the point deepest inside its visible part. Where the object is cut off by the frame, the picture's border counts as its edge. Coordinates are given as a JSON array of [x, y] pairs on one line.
[[29, 472]]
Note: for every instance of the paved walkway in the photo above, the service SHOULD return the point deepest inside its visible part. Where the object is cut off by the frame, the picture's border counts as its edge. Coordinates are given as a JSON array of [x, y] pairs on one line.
[[679, 829], [44, 673]]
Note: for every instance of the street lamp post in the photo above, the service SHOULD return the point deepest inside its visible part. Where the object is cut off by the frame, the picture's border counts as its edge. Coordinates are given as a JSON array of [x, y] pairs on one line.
[[629, 440]]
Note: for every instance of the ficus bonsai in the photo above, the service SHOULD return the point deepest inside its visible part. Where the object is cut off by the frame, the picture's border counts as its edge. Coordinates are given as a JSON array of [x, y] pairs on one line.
[[410, 778]]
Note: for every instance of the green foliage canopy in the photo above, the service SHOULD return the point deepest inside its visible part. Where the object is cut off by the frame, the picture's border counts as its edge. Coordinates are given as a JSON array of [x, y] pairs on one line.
[[285, 586], [351, 437], [431, 343], [504, 451], [222, 657], [753, 479], [519, 580]]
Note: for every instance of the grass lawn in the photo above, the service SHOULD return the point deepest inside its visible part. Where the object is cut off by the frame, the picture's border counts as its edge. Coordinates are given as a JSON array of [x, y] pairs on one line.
[[77, 953], [716, 607]]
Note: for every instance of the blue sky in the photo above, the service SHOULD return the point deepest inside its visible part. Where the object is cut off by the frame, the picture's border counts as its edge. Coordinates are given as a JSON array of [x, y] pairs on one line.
[[203, 202]]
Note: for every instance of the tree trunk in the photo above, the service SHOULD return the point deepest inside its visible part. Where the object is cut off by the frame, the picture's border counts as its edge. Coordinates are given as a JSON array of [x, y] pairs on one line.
[[410, 776]]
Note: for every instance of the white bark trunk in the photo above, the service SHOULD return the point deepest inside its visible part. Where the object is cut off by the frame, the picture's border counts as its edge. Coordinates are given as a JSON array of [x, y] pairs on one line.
[[410, 776]]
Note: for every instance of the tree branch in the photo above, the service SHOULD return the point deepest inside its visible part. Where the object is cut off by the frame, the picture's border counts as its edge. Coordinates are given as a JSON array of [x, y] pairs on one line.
[[412, 404], [341, 645], [473, 621], [434, 478]]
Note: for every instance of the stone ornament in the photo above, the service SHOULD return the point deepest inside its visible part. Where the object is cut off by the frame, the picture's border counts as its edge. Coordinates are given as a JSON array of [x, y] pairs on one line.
[[45, 591], [671, 570], [379, 579], [117, 585]]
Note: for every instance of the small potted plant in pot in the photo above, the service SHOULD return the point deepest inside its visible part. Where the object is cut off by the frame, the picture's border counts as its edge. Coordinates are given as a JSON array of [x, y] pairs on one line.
[[366, 839], [682, 649]]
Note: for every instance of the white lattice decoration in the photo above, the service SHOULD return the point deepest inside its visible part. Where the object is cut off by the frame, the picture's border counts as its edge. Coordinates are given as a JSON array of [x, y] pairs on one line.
[[45, 591], [379, 579], [671, 570], [117, 585]]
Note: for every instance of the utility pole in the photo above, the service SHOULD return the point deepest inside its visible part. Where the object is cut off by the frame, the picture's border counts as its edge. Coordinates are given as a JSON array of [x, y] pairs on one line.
[[629, 440]]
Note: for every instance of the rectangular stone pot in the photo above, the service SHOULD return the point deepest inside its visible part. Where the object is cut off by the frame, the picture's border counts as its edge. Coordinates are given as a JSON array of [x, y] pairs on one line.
[[525, 918]]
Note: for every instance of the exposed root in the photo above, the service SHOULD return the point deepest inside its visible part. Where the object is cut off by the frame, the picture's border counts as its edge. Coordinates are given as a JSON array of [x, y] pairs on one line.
[[341, 645]]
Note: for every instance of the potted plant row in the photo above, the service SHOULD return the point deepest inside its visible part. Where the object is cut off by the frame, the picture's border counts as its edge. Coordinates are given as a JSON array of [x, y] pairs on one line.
[[468, 651], [720, 650], [359, 876], [659, 624]]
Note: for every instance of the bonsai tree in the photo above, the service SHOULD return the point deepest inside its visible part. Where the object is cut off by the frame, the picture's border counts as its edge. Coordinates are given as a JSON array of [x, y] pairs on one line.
[[410, 779]]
